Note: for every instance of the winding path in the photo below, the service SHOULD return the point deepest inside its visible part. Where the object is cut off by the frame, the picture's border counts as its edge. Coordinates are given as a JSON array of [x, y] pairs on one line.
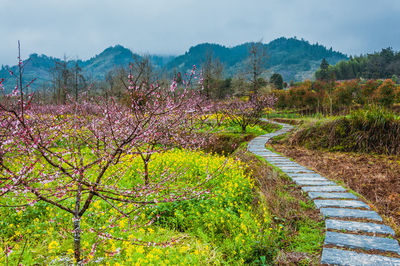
[[352, 229]]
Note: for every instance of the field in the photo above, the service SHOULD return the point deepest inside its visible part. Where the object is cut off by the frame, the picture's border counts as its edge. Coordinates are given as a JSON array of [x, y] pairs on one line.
[[222, 225], [179, 206]]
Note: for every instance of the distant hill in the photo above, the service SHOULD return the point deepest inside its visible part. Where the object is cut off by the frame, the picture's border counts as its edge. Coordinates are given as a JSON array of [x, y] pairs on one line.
[[98, 66], [294, 59], [95, 69], [38, 67]]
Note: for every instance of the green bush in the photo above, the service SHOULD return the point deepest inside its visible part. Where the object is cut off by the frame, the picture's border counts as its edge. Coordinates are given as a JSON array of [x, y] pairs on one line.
[[371, 130]]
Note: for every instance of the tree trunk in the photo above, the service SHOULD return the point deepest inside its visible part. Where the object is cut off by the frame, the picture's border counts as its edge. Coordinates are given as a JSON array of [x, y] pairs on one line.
[[77, 239], [244, 128], [146, 172]]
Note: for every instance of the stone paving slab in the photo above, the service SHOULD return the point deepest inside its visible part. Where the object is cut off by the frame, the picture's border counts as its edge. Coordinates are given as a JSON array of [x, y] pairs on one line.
[[258, 147], [278, 164], [270, 155], [304, 175], [323, 189], [350, 213], [293, 168], [359, 227], [297, 171], [341, 203], [301, 169], [310, 179], [286, 164], [266, 156], [283, 159], [331, 195], [280, 160], [344, 257], [362, 242], [289, 168], [314, 182], [263, 152], [257, 152]]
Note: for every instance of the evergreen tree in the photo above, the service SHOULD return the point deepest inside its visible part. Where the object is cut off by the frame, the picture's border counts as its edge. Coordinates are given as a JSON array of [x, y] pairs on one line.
[[277, 80], [323, 72]]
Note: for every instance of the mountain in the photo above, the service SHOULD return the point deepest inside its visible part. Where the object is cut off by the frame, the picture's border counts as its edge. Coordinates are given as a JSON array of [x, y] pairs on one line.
[[36, 67], [97, 67], [294, 59]]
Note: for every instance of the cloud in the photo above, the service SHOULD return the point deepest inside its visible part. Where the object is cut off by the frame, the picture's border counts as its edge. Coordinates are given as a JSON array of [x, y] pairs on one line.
[[84, 28]]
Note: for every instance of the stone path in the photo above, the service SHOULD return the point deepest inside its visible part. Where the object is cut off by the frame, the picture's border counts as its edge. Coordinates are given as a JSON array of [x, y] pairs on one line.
[[352, 229]]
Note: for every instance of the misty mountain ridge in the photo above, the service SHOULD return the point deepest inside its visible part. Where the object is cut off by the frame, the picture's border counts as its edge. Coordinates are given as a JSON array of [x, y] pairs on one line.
[[294, 59]]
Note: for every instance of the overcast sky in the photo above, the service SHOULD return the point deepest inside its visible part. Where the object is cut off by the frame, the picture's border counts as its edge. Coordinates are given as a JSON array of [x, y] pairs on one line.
[[83, 28]]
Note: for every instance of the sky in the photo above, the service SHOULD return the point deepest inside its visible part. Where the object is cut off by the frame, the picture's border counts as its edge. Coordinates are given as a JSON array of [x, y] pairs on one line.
[[84, 28]]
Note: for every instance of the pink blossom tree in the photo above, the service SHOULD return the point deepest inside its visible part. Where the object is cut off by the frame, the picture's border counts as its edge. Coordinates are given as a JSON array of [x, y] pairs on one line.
[[70, 155], [247, 112], [177, 111]]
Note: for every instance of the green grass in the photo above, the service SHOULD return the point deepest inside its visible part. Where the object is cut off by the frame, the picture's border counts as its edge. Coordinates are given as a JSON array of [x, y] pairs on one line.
[[309, 237], [227, 137], [293, 114], [228, 127], [284, 199]]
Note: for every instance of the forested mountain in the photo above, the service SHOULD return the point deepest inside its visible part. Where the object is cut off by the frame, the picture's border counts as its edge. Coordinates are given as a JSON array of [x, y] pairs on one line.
[[96, 68], [38, 66], [379, 65], [294, 59]]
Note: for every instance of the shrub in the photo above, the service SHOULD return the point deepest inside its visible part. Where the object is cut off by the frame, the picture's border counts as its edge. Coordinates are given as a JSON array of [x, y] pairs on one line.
[[374, 129]]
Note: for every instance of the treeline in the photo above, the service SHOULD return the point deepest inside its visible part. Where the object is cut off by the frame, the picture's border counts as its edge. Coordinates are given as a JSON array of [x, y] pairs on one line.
[[331, 97], [379, 65]]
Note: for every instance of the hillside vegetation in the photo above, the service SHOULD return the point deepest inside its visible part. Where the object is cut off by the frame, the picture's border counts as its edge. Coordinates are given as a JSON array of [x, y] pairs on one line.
[[378, 65], [338, 97], [371, 130], [294, 59]]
